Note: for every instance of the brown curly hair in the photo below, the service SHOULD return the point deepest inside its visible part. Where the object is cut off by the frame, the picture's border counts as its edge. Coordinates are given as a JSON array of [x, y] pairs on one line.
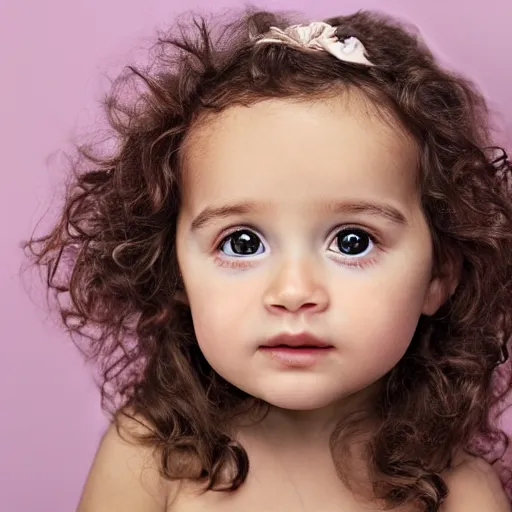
[[112, 253]]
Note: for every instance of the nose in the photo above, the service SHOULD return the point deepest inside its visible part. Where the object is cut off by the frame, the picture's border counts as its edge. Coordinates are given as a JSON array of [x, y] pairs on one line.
[[296, 288]]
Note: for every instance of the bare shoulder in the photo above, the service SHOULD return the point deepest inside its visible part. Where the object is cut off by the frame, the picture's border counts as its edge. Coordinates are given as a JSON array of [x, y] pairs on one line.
[[474, 486], [124, 476]]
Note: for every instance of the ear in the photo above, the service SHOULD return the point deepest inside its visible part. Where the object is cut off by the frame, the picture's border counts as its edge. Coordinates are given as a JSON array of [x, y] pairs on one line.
[[180, 295], [443, 284]]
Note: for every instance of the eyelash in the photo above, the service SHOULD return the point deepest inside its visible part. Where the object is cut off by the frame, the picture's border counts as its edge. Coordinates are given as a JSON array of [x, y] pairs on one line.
[[241, 262]]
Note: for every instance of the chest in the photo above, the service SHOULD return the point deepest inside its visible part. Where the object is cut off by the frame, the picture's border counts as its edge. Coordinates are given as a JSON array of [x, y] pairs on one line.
[[276, 490], [258, 495]]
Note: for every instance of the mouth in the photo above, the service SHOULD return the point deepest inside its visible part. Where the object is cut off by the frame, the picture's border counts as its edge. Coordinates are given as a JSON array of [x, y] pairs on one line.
[[302, 350], [296, 341]]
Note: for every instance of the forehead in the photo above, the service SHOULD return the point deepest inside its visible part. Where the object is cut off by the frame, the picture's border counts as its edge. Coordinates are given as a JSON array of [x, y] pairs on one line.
[[282, 150]]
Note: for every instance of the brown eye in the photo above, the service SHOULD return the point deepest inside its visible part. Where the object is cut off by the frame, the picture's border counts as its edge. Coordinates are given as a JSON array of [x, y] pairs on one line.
[[241, 243]]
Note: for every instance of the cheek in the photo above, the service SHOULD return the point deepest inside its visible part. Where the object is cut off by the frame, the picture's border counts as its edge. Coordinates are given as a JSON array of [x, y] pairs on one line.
[[390, 320], [222, 314], [384, 316], [222, 332], [377, 338]]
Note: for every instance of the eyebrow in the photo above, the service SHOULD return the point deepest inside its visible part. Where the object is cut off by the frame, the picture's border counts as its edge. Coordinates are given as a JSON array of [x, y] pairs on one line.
[[386, 211], [212, 213]]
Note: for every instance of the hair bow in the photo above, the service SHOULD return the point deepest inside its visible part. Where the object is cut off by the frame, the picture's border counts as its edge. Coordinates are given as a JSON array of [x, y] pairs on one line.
[[319, 36]]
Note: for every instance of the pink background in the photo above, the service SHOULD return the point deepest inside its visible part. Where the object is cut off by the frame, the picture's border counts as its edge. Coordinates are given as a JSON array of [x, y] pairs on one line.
[[54, 56]]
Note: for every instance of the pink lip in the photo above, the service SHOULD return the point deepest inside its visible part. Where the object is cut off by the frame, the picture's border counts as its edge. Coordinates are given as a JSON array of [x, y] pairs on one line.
[[296, 340], [303, 350]]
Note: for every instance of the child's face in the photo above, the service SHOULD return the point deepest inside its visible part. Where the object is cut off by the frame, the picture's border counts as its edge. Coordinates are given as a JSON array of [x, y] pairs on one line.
[[288, 271]]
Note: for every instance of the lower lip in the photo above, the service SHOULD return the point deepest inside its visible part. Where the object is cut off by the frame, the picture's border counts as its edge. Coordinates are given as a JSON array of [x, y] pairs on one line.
[[297, 357]]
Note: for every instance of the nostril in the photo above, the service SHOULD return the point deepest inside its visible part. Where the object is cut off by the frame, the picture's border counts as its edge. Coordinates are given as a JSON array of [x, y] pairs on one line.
[[307, 306]]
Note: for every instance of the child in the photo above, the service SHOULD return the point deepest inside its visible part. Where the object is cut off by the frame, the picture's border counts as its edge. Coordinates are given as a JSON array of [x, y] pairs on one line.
[[295, 272]]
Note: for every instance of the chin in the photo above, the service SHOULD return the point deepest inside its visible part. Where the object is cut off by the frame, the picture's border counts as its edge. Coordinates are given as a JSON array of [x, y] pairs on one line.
[[300, 400]]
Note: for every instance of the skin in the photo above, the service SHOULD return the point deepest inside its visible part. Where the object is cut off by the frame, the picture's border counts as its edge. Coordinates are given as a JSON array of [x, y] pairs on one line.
[[295, 157], [292, 159]]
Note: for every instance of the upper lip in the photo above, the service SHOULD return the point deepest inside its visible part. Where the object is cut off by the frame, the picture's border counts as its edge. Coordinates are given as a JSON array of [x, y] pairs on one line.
[[296, 340]]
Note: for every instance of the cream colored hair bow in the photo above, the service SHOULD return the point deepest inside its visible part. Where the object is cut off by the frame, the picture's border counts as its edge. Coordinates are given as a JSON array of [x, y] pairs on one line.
[[319, 36]]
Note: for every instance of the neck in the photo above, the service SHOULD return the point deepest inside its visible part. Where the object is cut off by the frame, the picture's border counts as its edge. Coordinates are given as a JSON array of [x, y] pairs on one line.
[[311, 426], [309, 429]]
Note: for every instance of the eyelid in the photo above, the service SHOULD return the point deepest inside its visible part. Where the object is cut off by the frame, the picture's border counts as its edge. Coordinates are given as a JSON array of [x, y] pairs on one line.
[[221, 238], [361, 262], [371, 232]]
